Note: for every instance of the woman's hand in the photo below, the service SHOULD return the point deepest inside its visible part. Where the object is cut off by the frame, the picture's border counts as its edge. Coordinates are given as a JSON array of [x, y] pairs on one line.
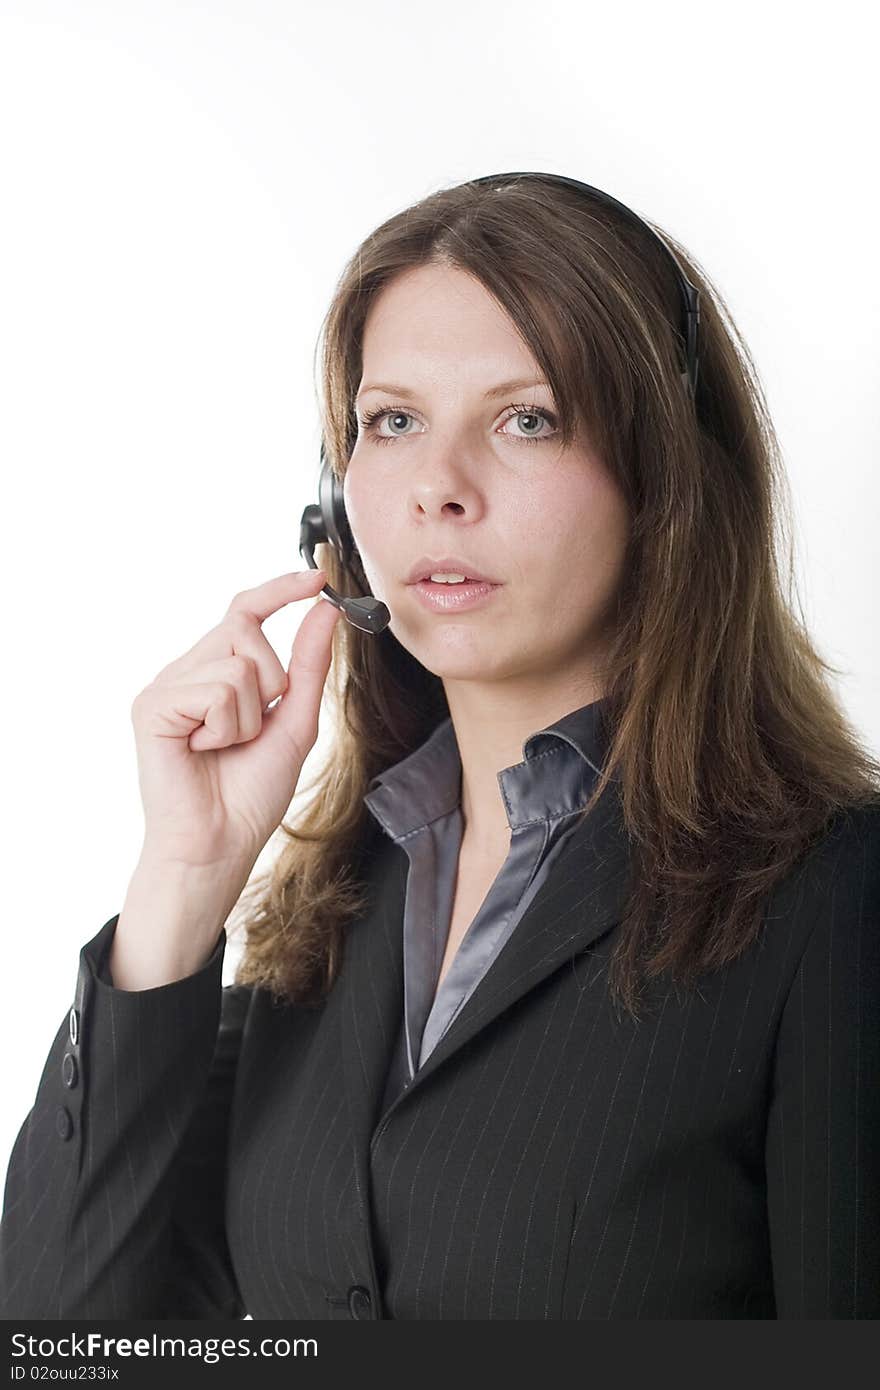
[[217, 768]]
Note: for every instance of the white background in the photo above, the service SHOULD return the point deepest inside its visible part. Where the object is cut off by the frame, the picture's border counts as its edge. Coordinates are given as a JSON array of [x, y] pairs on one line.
[[181, 185]]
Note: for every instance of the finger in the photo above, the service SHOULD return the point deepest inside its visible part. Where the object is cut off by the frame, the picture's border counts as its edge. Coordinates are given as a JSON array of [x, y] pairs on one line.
[[240, 672], [222, 724], [261, 602], [240, 631], [249, 644], [294, 720], [177, 712]]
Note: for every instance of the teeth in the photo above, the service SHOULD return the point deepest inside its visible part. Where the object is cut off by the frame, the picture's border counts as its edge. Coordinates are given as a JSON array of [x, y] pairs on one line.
[[445, 578]]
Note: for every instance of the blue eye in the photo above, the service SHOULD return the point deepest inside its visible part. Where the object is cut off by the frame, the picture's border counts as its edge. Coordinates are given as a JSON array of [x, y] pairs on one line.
[[371, 419], [533, 412]]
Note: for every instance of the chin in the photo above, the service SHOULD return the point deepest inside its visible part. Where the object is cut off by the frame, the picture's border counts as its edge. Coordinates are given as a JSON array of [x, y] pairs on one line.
[[478, 665]]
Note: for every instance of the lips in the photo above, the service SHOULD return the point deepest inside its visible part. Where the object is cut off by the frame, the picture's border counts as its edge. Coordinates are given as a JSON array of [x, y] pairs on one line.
[[424, 567]]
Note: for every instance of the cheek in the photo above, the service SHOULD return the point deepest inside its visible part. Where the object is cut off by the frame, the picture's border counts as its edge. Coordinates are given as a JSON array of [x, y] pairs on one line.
[[594, 535], [583, 516], [366, 506]]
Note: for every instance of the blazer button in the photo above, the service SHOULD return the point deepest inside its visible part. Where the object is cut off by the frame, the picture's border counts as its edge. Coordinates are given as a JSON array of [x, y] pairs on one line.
[[68, 1070], [63, 1122], [359, 1302], [73, 1026]]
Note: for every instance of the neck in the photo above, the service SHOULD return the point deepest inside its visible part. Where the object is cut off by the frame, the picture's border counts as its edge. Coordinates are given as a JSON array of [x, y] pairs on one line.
[[490, 731]]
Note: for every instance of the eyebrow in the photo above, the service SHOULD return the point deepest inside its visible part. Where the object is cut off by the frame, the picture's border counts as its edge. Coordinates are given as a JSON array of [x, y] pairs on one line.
[[504, 388]]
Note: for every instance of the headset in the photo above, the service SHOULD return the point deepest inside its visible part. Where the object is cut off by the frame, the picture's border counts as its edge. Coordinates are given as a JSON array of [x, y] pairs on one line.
[[326, 520]]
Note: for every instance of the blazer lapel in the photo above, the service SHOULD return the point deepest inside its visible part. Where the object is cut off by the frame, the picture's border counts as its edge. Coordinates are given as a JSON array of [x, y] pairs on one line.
[[370, 987], [581, 899]]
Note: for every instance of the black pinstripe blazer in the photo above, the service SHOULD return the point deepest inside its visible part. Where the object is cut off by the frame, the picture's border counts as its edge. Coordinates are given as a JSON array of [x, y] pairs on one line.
[[718, 1159]]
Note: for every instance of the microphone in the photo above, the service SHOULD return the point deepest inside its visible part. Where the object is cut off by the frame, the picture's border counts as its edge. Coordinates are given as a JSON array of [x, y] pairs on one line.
[[367, 614]]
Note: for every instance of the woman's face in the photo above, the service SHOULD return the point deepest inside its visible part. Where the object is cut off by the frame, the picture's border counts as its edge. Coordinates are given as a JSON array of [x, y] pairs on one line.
[[451, 469]]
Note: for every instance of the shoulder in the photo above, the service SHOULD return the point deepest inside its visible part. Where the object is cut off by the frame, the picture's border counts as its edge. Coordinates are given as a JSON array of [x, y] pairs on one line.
[[848, 848], [836, 900], [827, 904]]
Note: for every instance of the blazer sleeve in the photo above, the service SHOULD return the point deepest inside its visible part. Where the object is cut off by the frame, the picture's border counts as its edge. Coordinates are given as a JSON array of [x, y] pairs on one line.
[[115, 1191], [823, 1137]]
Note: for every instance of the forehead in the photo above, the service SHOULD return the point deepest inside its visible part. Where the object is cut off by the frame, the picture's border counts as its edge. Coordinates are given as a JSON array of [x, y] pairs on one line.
[[435, 320]]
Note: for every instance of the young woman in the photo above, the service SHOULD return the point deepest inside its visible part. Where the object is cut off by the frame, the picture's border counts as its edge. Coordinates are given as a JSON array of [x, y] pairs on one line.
[[561, 998]]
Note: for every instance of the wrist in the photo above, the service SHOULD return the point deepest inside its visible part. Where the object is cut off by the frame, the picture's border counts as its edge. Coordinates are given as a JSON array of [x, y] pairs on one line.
[[170, 922]]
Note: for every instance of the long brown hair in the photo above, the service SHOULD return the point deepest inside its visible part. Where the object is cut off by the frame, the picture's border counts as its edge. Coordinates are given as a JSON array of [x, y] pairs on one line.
[[730, 751]]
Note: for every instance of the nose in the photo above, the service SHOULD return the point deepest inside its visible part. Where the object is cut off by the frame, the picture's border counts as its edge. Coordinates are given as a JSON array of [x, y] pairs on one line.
[[445, 484]]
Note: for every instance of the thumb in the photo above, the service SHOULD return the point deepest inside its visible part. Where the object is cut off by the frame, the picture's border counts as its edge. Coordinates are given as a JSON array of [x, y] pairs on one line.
[[294, 719]]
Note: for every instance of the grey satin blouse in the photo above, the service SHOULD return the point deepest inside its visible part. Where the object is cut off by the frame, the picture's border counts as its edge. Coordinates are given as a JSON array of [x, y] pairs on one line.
[[417, 802]]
